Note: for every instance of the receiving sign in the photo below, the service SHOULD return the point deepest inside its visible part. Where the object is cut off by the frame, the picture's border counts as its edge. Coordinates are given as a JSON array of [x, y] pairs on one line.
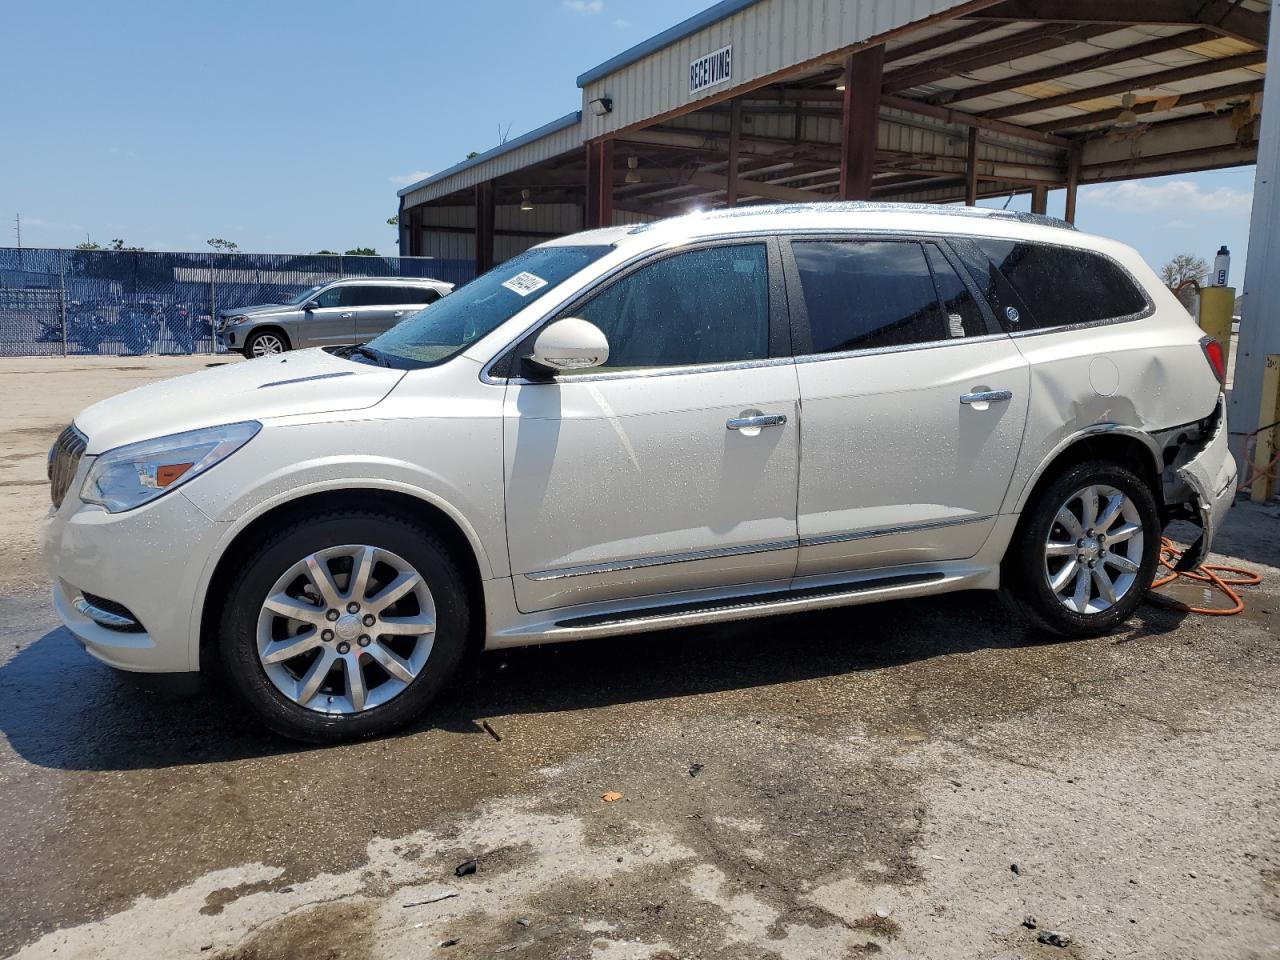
[[712, 69]]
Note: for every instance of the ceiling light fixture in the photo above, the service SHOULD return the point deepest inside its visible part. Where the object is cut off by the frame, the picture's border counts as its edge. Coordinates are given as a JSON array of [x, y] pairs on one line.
[[1128, 117], [632, 176], [525, 203]]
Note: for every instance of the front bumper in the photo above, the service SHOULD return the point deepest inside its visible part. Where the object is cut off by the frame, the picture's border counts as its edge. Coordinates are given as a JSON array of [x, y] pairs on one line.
[[1211, 475], [147, 560]]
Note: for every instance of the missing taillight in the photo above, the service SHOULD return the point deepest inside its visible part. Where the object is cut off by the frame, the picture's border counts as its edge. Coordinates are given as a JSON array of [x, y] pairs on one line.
[[1217, 361]]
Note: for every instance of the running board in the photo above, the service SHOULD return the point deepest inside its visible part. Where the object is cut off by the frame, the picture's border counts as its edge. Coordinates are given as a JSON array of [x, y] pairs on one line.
[[723, 609]]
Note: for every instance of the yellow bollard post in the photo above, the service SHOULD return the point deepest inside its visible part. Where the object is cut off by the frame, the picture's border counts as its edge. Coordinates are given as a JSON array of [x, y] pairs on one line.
[[1268, 441], [1217, 304]]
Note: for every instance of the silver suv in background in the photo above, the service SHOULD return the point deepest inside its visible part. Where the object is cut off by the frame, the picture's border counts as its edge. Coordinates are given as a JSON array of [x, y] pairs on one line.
[[333, 314]]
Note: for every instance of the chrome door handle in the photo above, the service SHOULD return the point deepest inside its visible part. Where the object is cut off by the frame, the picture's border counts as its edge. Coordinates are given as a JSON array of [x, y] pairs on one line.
[[344, 316], [754, 423], [398, 313], [987, 396]]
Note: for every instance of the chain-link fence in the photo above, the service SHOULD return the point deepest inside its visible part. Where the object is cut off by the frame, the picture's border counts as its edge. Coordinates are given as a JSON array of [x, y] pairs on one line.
[[56, 302]]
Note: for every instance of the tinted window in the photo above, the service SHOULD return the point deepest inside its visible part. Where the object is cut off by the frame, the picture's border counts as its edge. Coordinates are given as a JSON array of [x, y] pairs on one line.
[[704, 306], [963, 316], [371, 296], [472, 311], [1058, 286], [423, 295], [862, 294], [331, 297]]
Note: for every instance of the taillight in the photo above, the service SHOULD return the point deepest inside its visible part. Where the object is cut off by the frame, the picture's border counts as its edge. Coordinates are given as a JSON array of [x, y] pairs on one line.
[[1213, 353]]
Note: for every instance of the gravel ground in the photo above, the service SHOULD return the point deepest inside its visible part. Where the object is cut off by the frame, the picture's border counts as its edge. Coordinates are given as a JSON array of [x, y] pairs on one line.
[[913, 779]]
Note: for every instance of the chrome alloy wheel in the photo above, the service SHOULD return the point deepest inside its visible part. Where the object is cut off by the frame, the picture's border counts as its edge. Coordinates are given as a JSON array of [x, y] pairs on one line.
[[346, 629], [266, 345], [1094, 550]]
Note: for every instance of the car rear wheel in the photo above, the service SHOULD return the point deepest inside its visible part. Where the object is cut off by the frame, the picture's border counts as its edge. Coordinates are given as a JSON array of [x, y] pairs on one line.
[[266, 343], [1086, 550], [344, 626]]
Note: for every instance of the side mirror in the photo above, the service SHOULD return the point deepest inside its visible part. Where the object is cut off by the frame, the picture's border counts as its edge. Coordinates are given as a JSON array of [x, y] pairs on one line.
[[311, 305], [570, 344]]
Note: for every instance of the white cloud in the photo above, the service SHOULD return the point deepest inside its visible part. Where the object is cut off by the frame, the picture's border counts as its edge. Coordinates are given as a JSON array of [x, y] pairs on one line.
[[622, 24], [1172, 196], [407, 178], [584, 7]]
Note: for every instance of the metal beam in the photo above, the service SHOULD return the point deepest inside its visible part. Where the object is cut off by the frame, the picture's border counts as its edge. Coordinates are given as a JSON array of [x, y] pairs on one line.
[[971, 169], [1246, 89], [1025, 43], [735, 137], [605, 183], [1073, 182], [1083, 65], [960, 118], [1146, 80], [933, 43], [1221, 16], [860, 122]]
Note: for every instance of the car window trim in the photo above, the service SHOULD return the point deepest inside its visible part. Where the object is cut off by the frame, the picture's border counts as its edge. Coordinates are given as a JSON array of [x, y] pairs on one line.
[[502, 369], [799, 310]]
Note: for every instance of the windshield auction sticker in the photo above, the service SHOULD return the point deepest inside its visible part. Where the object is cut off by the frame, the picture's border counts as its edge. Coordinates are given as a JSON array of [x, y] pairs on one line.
[[525, 283]]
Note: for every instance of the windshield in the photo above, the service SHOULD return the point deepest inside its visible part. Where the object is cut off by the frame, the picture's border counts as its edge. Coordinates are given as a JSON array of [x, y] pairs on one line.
[[304, 296], [453, 323]]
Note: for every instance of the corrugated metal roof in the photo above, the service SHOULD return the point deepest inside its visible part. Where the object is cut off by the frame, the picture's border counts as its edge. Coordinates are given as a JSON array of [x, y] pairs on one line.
[[713, 14], [546, 130]]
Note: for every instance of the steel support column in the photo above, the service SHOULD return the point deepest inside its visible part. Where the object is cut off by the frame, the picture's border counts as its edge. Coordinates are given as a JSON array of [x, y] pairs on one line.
[[1260, 314], [484, 226], [605, 181], [591, 205], [863, 72], [971, 170], [1039, 199], [735, 138], [1073, 184]]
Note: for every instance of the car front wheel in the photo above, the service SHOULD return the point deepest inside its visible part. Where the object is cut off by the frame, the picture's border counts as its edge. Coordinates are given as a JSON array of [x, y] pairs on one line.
[[265, 344], [344, 626], [1086, 550]]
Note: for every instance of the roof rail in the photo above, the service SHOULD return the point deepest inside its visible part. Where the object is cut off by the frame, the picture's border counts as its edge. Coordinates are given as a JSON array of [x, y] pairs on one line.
[[871, 206]]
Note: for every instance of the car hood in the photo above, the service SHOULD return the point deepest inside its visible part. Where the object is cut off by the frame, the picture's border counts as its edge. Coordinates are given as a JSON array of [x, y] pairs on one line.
[[257, 310], [301, 382]]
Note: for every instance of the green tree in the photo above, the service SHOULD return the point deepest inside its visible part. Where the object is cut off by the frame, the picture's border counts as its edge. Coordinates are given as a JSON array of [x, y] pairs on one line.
[[118, 244], [326, 253], [360, 252], [393, 221], [1184, 267], [88, 245], [223, 246]]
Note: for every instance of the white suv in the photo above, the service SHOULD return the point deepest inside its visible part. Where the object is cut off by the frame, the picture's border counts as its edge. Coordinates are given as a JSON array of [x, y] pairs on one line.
[[703, 419]]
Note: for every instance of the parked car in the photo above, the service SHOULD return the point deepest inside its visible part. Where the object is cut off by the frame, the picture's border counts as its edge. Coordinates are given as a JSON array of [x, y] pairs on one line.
[[703, 419], [340, 313]]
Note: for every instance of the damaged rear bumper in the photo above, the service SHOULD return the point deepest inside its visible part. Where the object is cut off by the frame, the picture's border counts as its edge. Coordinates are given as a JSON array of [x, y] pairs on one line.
[[1210, 476]]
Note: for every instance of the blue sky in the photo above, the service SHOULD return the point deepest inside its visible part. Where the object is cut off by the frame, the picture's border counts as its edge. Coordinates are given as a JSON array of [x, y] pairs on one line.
[[288, 126]]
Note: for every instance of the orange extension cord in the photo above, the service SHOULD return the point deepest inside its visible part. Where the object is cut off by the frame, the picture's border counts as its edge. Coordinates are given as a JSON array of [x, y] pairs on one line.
[[1222, 578]]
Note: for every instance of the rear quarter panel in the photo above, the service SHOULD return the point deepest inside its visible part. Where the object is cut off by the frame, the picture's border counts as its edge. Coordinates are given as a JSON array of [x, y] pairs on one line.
[[1135, 376]]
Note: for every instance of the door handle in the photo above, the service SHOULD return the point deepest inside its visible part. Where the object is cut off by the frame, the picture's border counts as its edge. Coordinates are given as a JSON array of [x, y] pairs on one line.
[[755, 423], [398, 313], [987, 396], [344, 316]]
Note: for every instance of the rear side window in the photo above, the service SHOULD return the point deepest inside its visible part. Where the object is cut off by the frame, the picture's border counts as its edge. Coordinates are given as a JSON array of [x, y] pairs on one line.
[[702, 306], [866, 294], [1033, 286], [423, 295], [963, 315]]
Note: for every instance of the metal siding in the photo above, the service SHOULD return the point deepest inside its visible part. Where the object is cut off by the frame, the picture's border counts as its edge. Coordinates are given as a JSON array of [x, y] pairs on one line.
[[553, 144], [767, 37]]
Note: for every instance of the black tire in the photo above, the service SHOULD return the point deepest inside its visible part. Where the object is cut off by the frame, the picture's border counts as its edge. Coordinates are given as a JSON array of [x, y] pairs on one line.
[[257, 335], [1024, 571], [237, 635]]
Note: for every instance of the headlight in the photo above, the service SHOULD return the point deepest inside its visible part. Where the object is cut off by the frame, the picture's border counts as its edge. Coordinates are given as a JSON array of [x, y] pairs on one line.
[[231, 321], [137, 473]]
